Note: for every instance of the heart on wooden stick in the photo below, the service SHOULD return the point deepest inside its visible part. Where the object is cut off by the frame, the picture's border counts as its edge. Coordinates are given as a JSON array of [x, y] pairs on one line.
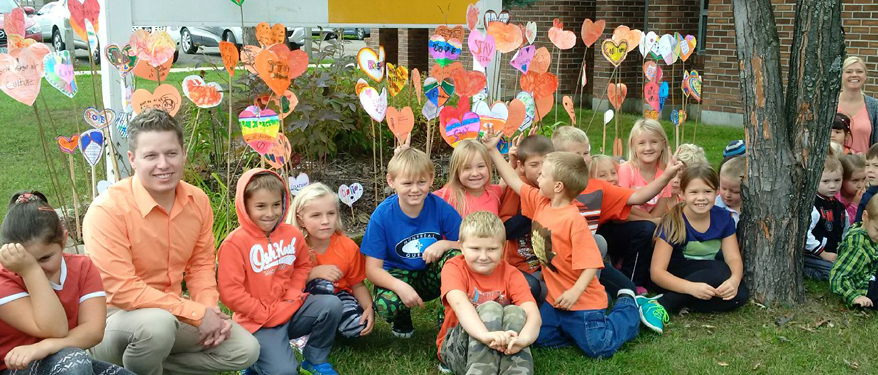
[[517, 114], [506, 37], [468, 83], [274, 70], [91, 145], [651, 94], [270, 35], [400, 122], [279, 154], [68, 145], [202, 94], [397, 77], [416, 83], [492, 118], [298, 183], [563, 39], [616, 93], [567, 101], [229, 53], [259, 127], [591, 31], [20, 78], [165, 97], [350, 194], [99, 119], [614, 52], [372, 63]]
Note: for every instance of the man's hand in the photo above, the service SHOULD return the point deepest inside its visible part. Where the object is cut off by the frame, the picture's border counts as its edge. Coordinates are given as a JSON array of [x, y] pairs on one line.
[[215, 327]]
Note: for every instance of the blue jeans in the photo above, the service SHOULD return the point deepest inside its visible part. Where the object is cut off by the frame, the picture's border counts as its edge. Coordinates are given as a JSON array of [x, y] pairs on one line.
[[596, 333]]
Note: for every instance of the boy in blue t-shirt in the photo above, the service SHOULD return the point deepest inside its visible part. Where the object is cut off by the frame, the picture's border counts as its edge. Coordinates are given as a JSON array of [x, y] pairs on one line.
[[408, 239]]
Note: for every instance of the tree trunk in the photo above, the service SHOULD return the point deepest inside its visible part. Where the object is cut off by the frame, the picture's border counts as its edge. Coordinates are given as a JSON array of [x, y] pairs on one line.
[[249, 36], [787, 138]]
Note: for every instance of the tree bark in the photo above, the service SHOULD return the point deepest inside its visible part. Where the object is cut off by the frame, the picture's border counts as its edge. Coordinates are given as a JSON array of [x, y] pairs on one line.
[[787, 137]]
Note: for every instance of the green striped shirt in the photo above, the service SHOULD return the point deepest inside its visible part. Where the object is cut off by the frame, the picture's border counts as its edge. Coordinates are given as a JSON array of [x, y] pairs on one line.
[[856, 264]]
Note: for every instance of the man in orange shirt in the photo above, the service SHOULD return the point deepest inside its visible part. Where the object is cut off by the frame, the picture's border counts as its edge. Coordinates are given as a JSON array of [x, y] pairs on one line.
[[147, 234]]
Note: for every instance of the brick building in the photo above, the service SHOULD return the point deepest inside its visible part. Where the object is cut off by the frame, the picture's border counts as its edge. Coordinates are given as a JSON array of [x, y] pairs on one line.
[[711, 21]]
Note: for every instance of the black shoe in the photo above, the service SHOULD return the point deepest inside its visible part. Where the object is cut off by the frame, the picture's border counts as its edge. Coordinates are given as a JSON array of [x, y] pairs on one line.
[[402, 326]]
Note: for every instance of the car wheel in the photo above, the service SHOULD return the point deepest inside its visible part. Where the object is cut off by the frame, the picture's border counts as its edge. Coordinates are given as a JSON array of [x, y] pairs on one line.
[[229, 37], [361, 34], [57, 42], [97, 55], [186, 44]]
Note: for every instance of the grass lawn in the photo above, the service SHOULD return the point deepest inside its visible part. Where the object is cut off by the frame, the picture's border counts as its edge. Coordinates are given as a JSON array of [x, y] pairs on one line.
[[821, 336]]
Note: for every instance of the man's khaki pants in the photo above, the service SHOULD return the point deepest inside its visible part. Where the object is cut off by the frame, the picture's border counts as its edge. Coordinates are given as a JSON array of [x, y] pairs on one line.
[[153, 342]]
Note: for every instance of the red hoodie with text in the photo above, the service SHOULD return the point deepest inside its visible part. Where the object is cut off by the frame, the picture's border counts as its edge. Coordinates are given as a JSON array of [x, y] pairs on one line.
[[261, 277]]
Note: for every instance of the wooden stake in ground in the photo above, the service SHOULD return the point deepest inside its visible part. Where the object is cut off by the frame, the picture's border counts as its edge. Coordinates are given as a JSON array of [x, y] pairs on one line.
[[374, 163], [601, 101], [109, 139], [75, 198]]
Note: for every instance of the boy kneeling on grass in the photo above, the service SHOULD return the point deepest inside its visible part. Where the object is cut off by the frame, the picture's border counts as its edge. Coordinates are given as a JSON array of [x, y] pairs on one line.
[[491, 318], [854, 273]]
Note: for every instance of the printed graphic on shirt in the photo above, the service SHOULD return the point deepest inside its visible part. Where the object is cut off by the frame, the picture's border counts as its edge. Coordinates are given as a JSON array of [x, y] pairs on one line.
[[702, 250], [414, 245], [480, 297], [277, 257], [591, 208], [542, 245], [526, 251], [828, 216]]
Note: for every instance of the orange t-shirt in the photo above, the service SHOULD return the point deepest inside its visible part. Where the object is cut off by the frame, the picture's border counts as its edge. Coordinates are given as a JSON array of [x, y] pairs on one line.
[[344, 254], [602, 201], [488, 201], [518, 252], [505, 286], [555, 233]]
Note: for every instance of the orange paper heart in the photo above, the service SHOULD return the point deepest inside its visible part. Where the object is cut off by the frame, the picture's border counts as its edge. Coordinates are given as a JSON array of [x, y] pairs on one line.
[[468, 83], [540, 84], [617, 147], [516, 117], [20, 78], [441, 73], [165, 97], [591, 31], [568, 106], [449, 33], [146, 71], [541, 61], [270, 35], [298, 62], [507, 37], [631, 36], [248, 58], [230, 55], [400, 122], [274, 71], [544, 105], [616, 93], [68, 145], [563, 39], [416, 82]]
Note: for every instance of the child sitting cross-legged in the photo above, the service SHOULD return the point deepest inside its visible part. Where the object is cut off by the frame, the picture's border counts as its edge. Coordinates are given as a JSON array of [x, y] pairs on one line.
[[853, 274], [828, 223], [574, 311], [491, 318]]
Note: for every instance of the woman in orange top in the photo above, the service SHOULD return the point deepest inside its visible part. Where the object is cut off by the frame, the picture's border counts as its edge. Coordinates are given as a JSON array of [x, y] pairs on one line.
[[861, 108]]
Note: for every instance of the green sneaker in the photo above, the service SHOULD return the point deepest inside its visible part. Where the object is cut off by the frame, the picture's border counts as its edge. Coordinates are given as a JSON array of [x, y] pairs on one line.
[[652, 314]]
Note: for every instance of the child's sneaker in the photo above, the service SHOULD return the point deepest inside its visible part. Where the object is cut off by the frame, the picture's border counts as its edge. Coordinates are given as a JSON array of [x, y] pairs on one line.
[[641, 291], [402, 326], [444, 369], [322, 369], [652, 314], [247, 372]]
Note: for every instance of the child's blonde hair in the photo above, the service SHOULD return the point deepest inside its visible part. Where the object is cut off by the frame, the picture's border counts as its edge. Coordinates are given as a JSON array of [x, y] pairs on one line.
[[734, 168], [832, 164], [673, 224], [410, 162], [462, 155], [482, 224], [569, 169], [307, 195], [565, 135], [648, 126], [851, 164], [597, 161], [871, 211], [690, 154], [835, 150]]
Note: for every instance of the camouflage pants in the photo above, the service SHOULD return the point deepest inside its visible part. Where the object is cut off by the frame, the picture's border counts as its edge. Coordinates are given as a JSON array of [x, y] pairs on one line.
[[426, 282], [466, 355]]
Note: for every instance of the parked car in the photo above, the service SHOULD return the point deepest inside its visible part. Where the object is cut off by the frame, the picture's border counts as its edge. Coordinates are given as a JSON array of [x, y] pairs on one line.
[[193, 37], [32, 29], [53, 21], [357, 32]]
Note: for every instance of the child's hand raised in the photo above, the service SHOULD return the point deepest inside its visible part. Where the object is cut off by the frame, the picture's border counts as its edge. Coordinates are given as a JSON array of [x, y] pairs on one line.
[[674, 165], [14, 257], [862, 301], [404, 145], [491, 139]]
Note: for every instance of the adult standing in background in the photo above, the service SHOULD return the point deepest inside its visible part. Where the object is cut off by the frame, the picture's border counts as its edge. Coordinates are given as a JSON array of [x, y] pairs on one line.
[[861, 108]]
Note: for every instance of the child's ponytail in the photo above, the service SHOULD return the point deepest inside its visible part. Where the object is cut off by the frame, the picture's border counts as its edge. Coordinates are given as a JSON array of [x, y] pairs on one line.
[[30, 218], [673, 226]]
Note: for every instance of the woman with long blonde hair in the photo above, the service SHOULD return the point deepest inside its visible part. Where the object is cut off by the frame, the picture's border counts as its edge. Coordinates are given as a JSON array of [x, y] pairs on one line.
[[854, 103]]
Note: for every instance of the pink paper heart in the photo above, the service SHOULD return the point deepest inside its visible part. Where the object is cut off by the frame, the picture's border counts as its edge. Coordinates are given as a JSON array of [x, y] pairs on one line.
[[20, 78], [259, 128], [522, 58], [456, 130], [652, 71], [651, 94], [482, 47]]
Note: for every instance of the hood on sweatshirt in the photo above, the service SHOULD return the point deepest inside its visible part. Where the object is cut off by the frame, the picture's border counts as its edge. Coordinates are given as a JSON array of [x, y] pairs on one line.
[[243, 217]]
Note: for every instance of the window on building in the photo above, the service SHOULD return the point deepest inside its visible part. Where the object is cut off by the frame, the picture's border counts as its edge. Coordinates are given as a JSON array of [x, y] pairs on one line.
[[702, 27]]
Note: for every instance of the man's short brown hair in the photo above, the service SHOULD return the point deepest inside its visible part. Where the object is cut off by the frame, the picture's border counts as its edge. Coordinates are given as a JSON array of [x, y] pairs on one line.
[[152, 120]]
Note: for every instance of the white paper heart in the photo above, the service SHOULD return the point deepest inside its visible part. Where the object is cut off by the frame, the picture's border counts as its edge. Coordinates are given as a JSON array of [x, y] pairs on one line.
[[374, 104], [103, 185], [430, 111], [648, 42], [530, 110], [372, 63], [99, 119], [350, 194], [666, 48], [298, 183], [608, 116], [530, 32], [497, 111]]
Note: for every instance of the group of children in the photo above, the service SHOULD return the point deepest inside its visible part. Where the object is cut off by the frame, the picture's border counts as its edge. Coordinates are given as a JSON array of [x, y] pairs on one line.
[[536, 260]]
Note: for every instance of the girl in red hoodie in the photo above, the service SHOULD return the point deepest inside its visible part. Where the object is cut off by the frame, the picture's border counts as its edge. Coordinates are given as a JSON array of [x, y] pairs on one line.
[[263, 265]]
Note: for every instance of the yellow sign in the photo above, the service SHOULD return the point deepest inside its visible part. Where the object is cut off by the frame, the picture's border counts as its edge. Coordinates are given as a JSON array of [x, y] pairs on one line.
[[405, 12]]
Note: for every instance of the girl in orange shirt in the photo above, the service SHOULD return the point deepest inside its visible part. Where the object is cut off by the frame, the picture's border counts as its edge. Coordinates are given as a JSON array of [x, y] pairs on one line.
[[339, 267]]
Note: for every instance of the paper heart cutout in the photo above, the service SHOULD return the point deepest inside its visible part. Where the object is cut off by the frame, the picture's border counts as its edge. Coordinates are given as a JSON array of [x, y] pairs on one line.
[[493, 117], [616, 93], [584, 75], [68, 145], [238, 2], [82, 11], [373, 103], [449, 112], [481, 46], [360, 86], [648, 44], [540, 84], [416, 83], [666, 48], [124, 59], [438, 93], [664, 90], [614, 52], [450, 33], [515, 117], [492, 16], [687, 46], [270, 35], [400, 122], [99, 119], [156, 48], [472, 16], [695, 82], [92, 37], [91, 145], [530, 110], [274, 71], [298, 62], [506, 37], [298, 183], [20, 77], [430, 111], [456, 129], [397, 78], [632, 36], [544, 105], [443, 72], [650, 114], [202, 94], [468, 83], [541, 61], [651, 94], [248, 58], [591, 31], [145, 71], [522, 59], [617, 147], [350, 194], [230, 55], [568, 106], [608, 116], [678, 117], [13, 22], [372, 63], [259, 128], [530, 32], [165, 97], [652, 71], [563, 39], [444, 51], [279, 154], [58, 71]]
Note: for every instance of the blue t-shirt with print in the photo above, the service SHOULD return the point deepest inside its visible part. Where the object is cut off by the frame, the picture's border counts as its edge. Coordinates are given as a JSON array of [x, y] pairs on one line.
[[704, 245], [400, 240]]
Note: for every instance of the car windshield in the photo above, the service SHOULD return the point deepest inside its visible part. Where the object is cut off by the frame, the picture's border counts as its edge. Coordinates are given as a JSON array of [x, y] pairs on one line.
[[6, 6]]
